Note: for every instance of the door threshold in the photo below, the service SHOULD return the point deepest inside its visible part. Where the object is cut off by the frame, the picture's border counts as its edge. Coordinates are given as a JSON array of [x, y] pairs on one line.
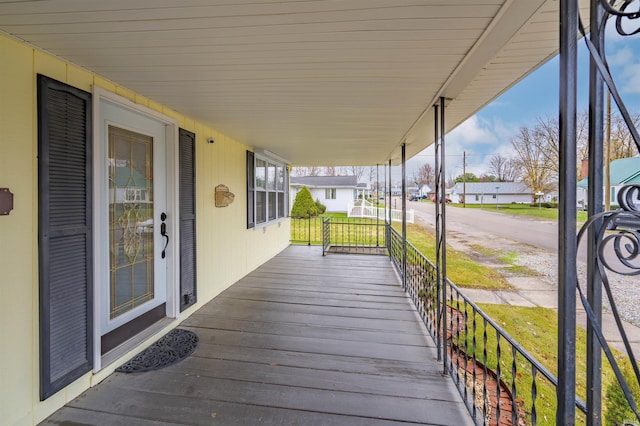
[[119, 351]]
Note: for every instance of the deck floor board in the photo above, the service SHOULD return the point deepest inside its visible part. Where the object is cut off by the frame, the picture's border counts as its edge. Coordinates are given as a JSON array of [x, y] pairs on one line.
[[302, 340]]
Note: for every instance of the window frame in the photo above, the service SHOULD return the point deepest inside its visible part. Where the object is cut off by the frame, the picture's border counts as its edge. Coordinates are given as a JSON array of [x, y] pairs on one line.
[[272, 192], [330, 194]]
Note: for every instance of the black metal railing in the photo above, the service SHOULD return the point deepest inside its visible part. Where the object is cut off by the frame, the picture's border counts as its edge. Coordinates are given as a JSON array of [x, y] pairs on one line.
[[306, 230], [354, 235], [326, 235], [499, 380]]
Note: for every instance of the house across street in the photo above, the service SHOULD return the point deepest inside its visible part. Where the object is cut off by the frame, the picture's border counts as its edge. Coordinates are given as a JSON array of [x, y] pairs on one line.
[[335, 192], [491, 193]]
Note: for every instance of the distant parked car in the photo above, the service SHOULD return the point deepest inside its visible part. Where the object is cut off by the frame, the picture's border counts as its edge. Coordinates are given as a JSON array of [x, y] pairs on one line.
[[446, 199], [413, 197]]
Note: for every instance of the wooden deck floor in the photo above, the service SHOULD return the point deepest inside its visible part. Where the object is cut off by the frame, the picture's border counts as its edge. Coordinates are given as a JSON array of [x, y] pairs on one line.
[[303, 340]]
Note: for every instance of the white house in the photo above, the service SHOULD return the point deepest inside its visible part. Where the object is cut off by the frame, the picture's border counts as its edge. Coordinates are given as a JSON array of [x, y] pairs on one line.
[[424, 190], [335, 192], [491, 193]]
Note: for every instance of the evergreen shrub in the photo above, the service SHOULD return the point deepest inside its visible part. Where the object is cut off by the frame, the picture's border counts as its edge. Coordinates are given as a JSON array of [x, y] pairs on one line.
[[304, 206]]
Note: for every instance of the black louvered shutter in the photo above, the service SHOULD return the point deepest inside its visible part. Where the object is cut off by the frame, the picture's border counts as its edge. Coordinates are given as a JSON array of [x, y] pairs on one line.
[[187, 150], [251, 220], [65, 234]]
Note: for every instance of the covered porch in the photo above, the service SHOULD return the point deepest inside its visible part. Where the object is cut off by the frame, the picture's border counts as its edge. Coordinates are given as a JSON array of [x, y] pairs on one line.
[[303, 339], [252, 89]]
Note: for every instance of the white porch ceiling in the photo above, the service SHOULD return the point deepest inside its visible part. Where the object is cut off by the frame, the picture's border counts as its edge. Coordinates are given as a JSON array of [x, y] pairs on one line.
[[318, 82]]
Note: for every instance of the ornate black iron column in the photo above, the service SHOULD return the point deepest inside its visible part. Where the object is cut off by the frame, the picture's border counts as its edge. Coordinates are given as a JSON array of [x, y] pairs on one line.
[[567, 274], [404, 217], [436, 191], [595, 200], [389, 213], [441, 251], [377, 208]]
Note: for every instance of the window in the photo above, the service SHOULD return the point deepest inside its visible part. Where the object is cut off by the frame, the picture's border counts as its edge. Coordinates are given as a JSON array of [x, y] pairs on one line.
[[330, 194], [267, 189]]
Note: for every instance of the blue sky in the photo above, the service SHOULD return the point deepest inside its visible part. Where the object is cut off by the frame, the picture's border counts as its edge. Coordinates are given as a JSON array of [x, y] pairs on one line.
[[490, 130]]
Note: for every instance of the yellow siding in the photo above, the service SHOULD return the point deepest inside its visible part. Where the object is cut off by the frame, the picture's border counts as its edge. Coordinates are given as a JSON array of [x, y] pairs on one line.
[[17, 233], [226, 249]]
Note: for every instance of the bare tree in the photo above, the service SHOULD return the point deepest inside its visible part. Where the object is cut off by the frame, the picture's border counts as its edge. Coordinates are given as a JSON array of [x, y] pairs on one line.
[[331, 170], [545, 135], [357, 171], [622, 144], [306, 171], [425, 175], [299, 171], [582, 135], [533, 161], [315, 171], [504, 169]]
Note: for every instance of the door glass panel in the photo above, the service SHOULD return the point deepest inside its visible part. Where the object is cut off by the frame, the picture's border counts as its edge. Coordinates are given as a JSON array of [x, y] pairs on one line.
[[130, 220]]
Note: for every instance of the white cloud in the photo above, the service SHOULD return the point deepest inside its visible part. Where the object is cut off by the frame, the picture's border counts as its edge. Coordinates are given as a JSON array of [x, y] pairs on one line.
[[621, 57], [630, 79], [478, 137]]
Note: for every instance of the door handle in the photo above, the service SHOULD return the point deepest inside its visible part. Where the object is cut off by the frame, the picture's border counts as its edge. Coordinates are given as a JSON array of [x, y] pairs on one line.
[[163, 232]]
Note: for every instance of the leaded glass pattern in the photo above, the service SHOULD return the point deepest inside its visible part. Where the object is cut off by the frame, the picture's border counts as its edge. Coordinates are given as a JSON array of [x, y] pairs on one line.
[[131, 227]]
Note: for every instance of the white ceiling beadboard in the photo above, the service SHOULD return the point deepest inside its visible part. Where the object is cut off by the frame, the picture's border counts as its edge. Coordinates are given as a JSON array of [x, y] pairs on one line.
[[318, 82]]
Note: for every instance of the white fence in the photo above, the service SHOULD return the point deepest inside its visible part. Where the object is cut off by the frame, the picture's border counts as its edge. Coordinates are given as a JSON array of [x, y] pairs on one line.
[[365, 209]]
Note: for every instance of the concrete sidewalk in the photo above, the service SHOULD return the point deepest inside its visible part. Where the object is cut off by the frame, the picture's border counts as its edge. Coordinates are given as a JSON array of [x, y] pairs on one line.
[[531, 292]]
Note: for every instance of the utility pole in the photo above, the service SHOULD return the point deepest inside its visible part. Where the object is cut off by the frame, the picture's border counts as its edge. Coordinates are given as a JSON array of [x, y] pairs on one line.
[[607, 158], [464, 179]]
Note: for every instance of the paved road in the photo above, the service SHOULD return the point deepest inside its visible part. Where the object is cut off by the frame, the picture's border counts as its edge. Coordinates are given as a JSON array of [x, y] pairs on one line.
[[476, 222], [487, 225]]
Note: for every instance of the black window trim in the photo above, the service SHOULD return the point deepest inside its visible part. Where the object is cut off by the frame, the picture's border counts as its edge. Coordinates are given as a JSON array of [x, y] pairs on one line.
[[252, 190]]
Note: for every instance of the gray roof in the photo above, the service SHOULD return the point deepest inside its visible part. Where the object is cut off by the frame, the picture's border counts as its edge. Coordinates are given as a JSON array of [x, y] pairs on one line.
[[490, 188], [324, 181]]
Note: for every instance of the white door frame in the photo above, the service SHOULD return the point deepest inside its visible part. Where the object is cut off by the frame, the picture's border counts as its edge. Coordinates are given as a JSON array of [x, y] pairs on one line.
[[101, 255]]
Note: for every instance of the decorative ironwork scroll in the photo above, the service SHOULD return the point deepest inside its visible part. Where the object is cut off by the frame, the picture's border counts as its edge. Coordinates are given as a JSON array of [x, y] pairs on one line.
[[599, 57], [617, 243], [614, 236]]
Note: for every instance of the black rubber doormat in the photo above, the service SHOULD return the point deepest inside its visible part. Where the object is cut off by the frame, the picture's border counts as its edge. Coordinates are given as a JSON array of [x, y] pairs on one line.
[[173, 347]]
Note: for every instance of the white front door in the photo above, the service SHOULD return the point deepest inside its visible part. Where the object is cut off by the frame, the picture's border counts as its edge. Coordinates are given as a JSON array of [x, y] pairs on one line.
[[133, 232]]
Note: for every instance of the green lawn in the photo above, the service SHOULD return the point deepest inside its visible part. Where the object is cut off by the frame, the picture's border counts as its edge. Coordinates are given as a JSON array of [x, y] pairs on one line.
[[461, 269], [536, 328], [524, 210], [344, 230]]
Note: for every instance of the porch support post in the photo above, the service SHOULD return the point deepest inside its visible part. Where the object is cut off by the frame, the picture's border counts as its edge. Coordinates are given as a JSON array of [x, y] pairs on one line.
[[388, 218], [567, 274], [436, 184], [377, 209], [595, 200], [404, 217], [439, 193], [441, 206]]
